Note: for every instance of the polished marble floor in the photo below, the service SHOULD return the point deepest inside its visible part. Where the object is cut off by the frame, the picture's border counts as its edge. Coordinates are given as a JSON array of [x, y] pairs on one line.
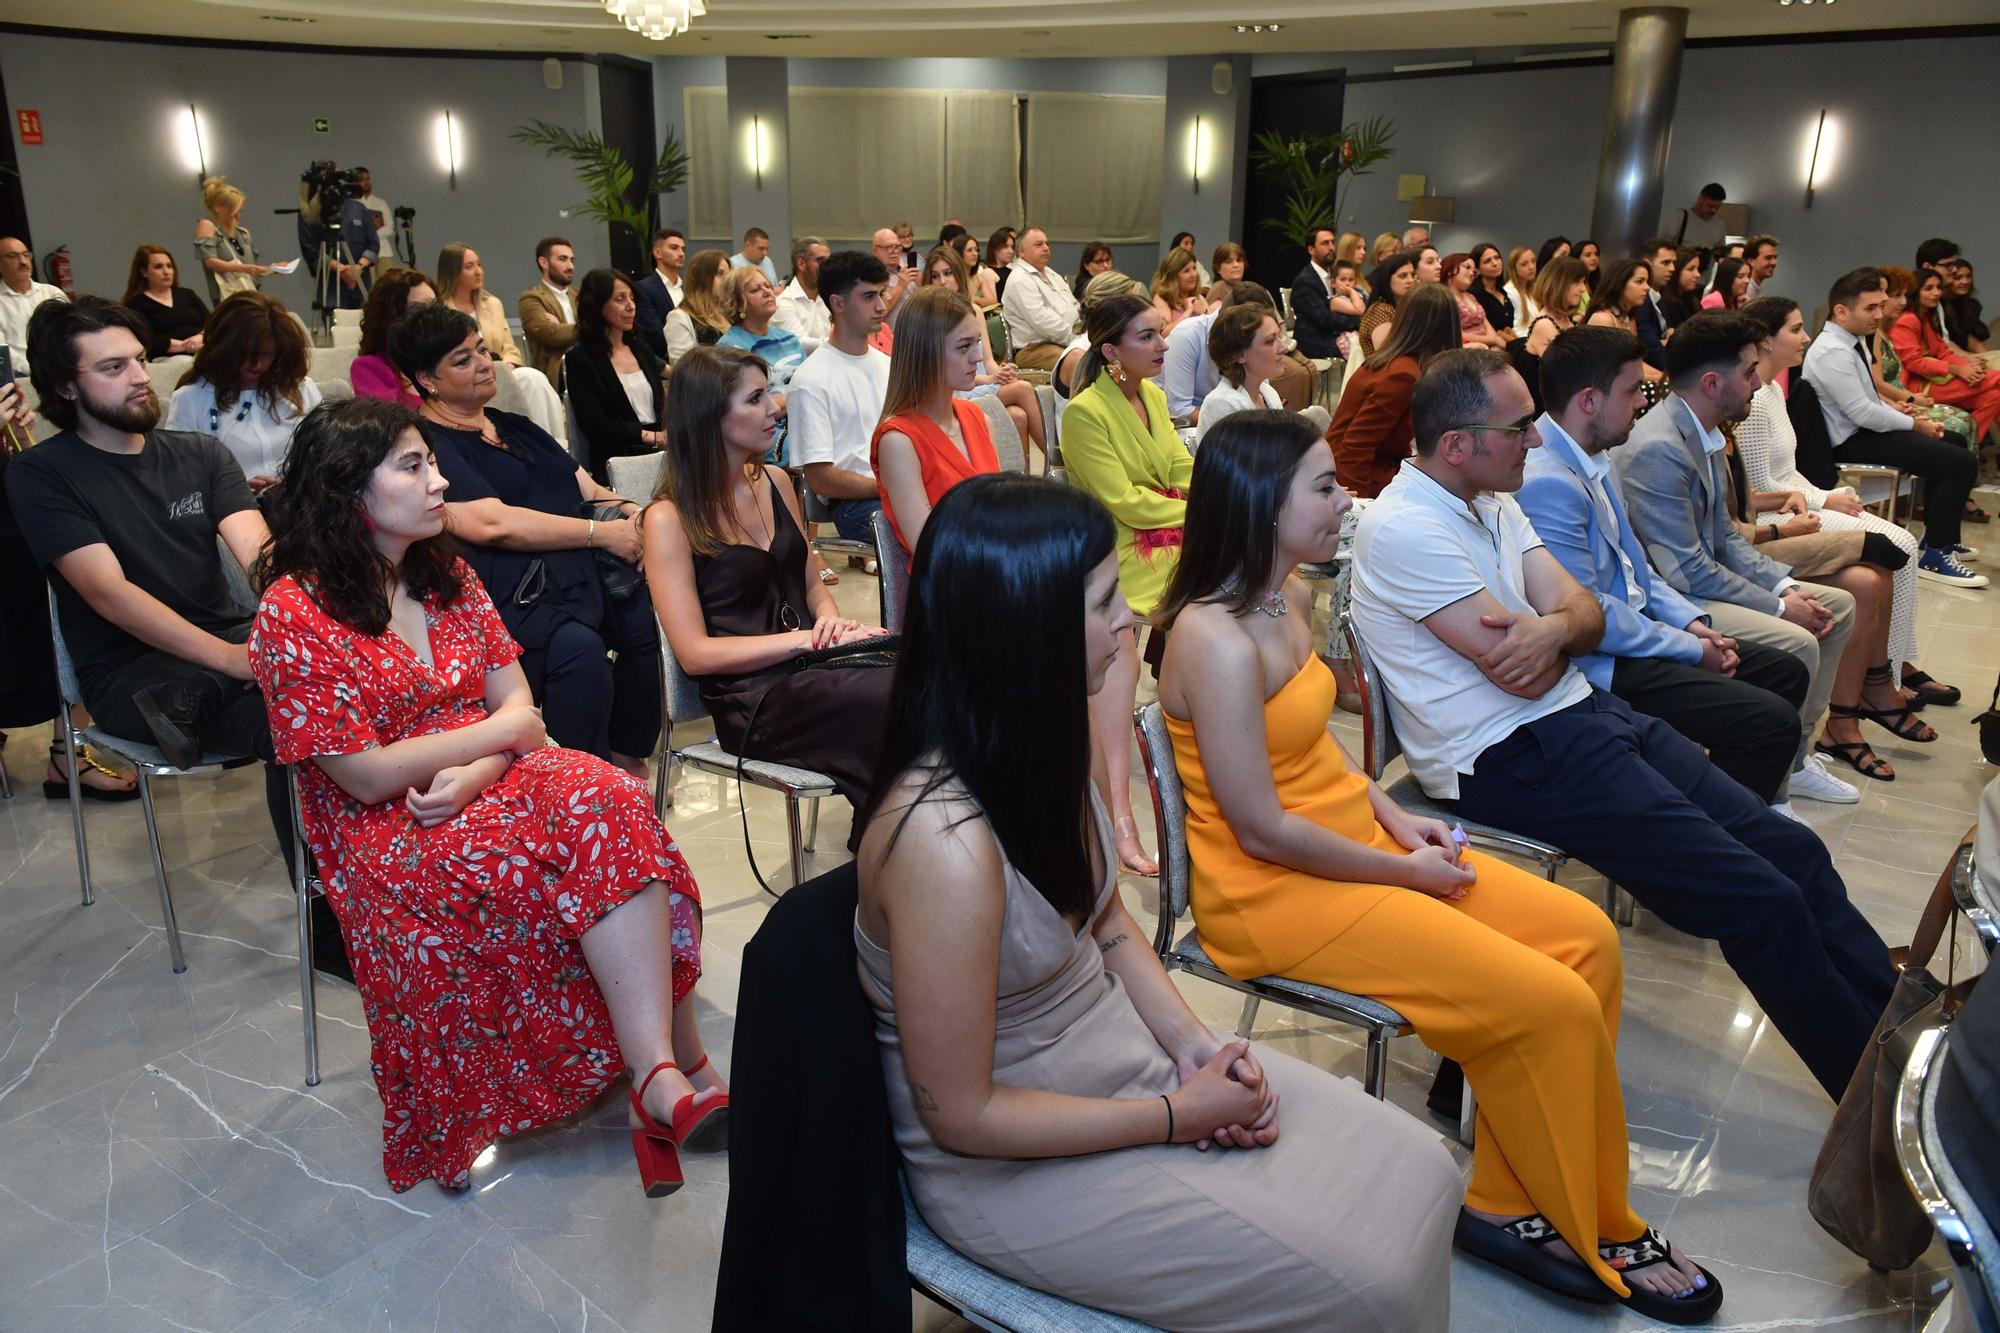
[[162, 1165]]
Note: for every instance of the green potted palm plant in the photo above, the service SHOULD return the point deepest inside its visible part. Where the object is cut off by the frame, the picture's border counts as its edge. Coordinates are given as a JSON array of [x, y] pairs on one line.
[[607, 178], [1317, 171]]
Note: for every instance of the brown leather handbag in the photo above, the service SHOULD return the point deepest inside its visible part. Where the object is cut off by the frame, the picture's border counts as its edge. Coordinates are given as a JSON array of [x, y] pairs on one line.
[[1857, 1191]]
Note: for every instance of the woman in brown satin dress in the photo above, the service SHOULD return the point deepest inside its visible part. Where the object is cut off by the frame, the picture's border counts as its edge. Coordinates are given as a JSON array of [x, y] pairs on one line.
[[726, 566], [1048, 1085]]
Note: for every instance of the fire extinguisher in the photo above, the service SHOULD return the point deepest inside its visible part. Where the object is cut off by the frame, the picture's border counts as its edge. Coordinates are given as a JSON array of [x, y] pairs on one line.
[[56, 269]]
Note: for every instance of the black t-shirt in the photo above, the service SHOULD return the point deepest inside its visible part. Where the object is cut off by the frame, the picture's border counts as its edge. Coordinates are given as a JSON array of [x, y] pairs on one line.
[[157, 510], [183, 319]]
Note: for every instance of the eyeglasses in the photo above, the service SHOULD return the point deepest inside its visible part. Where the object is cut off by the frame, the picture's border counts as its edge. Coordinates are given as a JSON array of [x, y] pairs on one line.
[[1521, 427], [14, 254]]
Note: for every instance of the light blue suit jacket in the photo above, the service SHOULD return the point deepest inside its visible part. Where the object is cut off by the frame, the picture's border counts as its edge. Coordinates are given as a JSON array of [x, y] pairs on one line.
[[1556, 498]]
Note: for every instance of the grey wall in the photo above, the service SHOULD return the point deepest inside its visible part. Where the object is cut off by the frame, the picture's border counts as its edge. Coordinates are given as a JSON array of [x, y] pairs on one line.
[[1211, 207], [110, 178], [758, 89], [1518, 147]]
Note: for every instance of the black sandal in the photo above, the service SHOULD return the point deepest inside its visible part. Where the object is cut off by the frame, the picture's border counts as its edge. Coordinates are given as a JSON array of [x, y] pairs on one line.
[[1859, 756], [59, 791], [1697, 1305], [1929, 690], [1521, 1247]]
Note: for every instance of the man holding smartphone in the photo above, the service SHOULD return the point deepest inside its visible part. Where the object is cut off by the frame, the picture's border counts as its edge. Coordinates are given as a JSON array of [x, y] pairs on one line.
[[904, 276]]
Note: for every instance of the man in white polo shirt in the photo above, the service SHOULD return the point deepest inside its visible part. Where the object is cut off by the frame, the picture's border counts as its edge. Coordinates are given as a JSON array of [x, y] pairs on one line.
[[835, 399], [1471, 624]]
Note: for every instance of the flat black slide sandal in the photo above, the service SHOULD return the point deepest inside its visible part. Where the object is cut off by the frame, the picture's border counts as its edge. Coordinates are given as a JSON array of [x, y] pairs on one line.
[[1697, 1306], [1521, 1247]]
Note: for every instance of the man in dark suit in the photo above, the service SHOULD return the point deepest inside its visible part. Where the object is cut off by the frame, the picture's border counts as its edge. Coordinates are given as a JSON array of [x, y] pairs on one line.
[[1312, 318], [1651, 317], [660, 291]]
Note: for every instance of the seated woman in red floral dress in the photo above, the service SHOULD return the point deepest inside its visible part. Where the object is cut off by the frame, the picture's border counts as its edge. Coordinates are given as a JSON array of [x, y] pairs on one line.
[[510, 907]]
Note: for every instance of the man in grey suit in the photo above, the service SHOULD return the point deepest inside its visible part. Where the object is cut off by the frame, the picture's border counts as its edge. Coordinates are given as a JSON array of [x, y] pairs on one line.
[[1670, 477]]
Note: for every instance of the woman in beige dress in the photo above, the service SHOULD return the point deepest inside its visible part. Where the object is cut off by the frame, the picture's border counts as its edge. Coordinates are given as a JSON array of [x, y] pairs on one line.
[[1064, 1118]]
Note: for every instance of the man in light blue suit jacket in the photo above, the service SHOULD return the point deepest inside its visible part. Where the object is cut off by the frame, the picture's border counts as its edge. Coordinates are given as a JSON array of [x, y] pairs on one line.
[[1670, 477], [1659, 653]]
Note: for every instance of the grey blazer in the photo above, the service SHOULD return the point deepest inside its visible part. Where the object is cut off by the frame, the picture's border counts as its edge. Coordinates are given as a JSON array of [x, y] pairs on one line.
[[1675, 501]]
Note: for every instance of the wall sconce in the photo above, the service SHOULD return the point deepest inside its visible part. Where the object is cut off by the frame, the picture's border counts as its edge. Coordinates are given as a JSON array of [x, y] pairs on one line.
[[445, 141], [193, 143], [1820, 144], [757, 147], [1197, 158]]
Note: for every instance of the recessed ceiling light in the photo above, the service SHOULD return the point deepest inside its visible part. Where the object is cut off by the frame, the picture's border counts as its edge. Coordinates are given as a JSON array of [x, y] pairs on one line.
[[1258, 27]]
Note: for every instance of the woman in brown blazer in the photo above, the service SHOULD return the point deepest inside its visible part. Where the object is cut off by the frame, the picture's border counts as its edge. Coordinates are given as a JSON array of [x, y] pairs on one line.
[[1371, 431]]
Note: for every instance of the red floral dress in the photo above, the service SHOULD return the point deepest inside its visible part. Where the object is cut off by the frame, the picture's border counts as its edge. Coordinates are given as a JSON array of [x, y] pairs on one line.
[[482, 1016]]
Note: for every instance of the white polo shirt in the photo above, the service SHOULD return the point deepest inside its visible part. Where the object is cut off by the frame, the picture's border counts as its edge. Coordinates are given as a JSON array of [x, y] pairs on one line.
[[1417, 550]]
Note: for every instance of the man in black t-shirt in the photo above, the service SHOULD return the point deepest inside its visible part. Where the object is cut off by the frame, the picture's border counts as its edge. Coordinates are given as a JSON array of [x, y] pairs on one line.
[[124, 517]]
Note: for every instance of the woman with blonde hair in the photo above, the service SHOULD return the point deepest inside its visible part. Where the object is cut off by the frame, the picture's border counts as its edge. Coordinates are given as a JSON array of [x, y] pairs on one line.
[[228, 255], [701, 318], [1521, 270], [1557, 298], [931, 437], [461, 284], [1095, 292], [1177, 289], [942, 268], [172, 314], [248, 386], [1386, 244]]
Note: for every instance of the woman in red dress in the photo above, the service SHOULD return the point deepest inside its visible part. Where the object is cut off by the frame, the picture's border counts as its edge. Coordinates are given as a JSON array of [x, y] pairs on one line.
[[510, 907], [930, 440]]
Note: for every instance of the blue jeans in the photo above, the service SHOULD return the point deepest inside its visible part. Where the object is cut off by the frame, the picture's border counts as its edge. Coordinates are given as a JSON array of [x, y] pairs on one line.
[[855, 519]]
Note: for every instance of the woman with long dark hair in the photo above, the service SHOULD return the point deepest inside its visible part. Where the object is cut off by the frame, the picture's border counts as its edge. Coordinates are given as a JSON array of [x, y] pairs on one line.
[[1119, 445], [519, 503], [1371, 431], [613, 380], [1556, 247], [1560, 289], [1622, 288], [521, 927], [373, 374], [726, 567], [1683, 295], [999, 262], [1489, 288], [248, 386], [1389, 283], [1039, 1063], [1304, 868], [1732, 286], [174, 314]]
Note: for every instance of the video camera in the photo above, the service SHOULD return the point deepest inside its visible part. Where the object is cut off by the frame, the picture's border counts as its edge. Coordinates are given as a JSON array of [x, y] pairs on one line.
[[326, 179]]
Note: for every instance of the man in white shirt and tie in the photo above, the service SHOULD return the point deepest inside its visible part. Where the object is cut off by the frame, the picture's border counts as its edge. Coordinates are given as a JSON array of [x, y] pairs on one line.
[[1864, 429], [1038, 305]]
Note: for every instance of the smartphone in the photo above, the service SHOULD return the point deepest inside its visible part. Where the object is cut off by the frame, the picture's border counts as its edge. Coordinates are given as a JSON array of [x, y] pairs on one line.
[[6, 364], [910, 259]]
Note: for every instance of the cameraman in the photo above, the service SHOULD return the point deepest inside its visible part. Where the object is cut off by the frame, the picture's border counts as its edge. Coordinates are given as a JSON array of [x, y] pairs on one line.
[[380, 216], [331, 213]]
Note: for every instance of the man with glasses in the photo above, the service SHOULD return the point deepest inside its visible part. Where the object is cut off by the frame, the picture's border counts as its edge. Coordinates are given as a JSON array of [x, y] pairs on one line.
[[1472, 625], [19, 295]]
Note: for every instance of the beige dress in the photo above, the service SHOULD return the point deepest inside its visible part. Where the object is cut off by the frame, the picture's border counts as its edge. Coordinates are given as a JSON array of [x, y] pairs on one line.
[[1344, 1223]]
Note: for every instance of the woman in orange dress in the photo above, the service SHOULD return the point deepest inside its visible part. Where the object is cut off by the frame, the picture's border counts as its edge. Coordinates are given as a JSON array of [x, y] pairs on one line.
[[1304, 868], [929, 439], [1933, 366]]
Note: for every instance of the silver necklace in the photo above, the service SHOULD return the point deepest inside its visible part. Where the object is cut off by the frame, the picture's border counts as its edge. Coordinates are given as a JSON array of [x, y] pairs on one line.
[[1273, 605]]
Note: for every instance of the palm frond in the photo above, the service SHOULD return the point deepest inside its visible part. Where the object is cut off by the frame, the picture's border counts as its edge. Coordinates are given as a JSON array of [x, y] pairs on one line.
[[605, 174]]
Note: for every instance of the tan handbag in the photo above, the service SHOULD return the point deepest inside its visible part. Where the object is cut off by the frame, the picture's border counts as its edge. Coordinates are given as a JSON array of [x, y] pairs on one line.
[[1857, 1191]]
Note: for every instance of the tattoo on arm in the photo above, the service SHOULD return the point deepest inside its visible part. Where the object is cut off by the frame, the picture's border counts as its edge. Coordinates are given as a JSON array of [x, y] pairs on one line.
[[924, 1100], [1113, 942]]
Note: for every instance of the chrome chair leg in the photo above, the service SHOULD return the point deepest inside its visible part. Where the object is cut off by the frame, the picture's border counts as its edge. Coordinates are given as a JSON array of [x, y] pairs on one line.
[[1468, 1114], [663, 786], [1376, 1077], [1249, 1016], [76, 807], [6, 783], [1623, 908], [812, 824], [797, 841], [159, 870], [308, 994]]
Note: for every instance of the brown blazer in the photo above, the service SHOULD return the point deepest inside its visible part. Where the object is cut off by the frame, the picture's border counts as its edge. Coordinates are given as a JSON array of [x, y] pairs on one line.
[[548, 336], [1371, 432]]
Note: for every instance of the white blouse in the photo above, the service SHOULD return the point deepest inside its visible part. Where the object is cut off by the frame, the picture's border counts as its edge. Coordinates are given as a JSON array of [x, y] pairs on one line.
[[258, 437], [1227, 399], [638, 393], [1769, 449]]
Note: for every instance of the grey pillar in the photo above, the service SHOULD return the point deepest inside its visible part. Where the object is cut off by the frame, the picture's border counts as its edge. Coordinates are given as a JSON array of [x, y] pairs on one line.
[[1638, 124]]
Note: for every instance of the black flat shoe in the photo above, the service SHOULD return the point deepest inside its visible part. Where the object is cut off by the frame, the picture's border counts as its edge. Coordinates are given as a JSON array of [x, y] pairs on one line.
[[1521, 1247], [1930, 690], [1697, 1305]]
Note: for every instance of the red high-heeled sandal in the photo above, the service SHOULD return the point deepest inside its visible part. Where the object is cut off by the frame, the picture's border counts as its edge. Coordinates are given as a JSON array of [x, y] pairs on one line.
[[653, 1143], [708, 1129]]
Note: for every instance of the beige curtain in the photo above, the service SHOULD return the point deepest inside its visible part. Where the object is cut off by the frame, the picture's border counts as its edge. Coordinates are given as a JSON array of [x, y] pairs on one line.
[[982, 182], [705, 113], [864, 158], [1094, 165]]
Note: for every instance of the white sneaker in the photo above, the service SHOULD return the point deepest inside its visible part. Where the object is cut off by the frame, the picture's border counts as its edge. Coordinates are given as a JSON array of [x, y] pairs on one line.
[[1785, 808], [1811, 781]]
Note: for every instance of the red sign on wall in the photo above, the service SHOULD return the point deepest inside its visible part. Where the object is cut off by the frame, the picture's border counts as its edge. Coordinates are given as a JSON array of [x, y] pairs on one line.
[[31, 126]]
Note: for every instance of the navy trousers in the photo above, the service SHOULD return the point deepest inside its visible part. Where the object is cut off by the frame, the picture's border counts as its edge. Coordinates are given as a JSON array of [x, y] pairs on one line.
[[1633, 798]]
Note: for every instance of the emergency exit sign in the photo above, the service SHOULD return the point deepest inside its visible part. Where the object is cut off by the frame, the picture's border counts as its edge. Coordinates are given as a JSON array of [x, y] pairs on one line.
[[319, 125], [31, 126]]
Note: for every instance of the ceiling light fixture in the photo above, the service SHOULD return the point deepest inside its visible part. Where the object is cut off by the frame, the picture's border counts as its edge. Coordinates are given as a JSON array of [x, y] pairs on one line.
[[1258, 27], [656, 20]]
